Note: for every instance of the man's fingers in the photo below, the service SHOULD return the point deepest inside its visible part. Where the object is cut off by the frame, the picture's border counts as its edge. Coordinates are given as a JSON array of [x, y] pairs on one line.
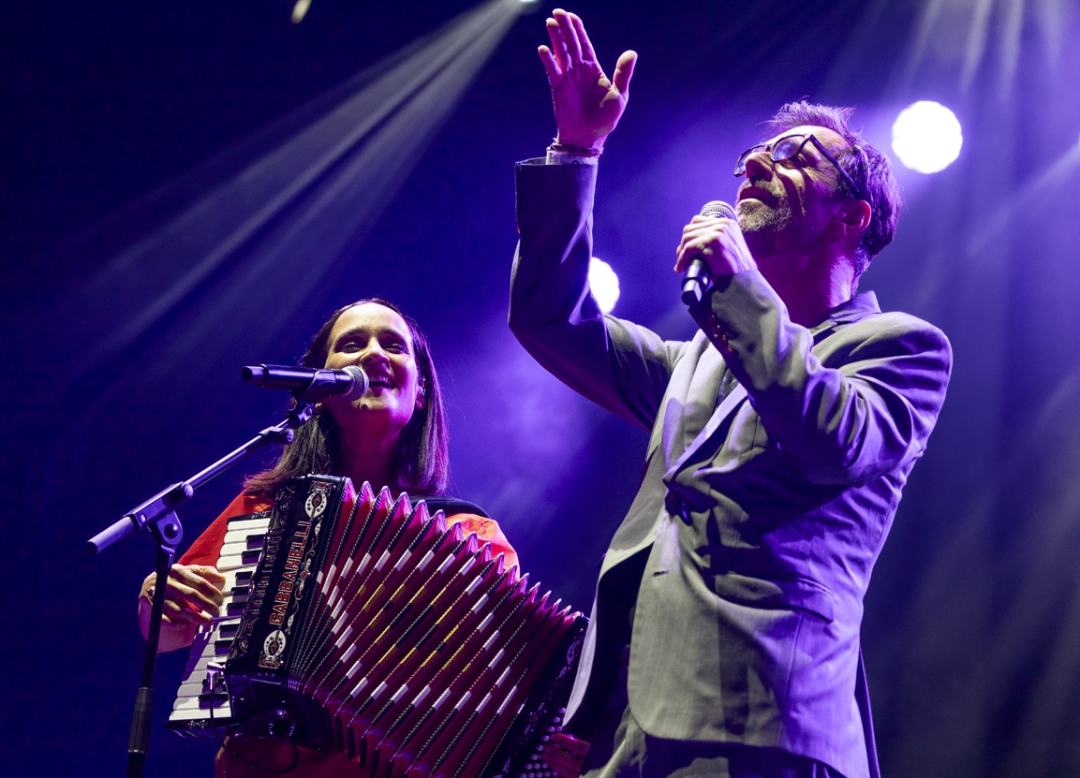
[[624, 71], [569, 34], [585, 45], [698, 232], [689, 255], [703, 227], [558, 45], [719, 242], [550, 66], [696, 243]]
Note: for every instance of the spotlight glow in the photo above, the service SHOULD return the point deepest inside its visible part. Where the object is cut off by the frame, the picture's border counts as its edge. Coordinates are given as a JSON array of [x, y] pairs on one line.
[[604, 284], [300, 10], [926, 137]]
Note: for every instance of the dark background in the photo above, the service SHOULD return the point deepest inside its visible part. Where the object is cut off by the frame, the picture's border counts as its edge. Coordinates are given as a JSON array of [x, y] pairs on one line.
[[110, 113]]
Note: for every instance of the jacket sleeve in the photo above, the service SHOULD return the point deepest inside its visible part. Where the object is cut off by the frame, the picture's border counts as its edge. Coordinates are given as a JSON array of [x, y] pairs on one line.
[[619, 365], [868, 411]]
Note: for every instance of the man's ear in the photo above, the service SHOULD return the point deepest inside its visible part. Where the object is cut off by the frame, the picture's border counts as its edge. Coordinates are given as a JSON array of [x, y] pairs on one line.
[[856, 217]]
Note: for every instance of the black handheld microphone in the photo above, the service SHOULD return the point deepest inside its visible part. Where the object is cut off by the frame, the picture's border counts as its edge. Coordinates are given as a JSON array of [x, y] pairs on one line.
[[308, 383], [696, 279]]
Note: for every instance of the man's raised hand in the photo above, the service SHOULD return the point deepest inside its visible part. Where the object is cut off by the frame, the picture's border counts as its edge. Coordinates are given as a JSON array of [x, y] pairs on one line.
[[587, 104]]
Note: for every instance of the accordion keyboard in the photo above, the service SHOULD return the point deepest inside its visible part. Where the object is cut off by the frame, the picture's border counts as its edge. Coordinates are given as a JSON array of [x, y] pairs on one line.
[[194, 707]]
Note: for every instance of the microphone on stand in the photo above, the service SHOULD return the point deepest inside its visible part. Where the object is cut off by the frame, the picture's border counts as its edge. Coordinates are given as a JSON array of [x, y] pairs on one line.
[[309, 384], [697, 279]]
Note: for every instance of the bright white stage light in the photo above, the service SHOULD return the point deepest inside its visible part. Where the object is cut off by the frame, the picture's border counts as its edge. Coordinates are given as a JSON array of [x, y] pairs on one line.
[[300, 10], [604, 284], [926, 137]]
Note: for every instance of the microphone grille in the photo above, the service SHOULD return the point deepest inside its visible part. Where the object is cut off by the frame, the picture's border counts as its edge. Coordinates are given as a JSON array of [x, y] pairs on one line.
[[719, 209], [359, 385]]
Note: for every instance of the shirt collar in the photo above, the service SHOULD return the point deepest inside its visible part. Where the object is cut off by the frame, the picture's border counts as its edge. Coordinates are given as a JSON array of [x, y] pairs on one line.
[[858, 307]]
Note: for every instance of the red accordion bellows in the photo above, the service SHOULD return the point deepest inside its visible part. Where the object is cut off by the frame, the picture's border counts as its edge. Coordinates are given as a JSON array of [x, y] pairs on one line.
[[378, 631]]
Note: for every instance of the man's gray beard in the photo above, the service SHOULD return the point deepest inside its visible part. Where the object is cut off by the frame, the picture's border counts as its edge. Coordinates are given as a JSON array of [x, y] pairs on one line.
[[766, 230]]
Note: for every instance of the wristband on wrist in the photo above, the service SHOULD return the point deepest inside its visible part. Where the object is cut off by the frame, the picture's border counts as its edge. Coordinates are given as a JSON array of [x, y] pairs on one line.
[[564, 158], [577, 151]]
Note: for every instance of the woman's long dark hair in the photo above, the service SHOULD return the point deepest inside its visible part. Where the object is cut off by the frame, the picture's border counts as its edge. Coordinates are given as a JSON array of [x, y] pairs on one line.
[[420, 464]]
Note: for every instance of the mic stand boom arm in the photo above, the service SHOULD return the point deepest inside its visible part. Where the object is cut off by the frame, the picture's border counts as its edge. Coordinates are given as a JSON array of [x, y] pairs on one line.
[[158, 516]]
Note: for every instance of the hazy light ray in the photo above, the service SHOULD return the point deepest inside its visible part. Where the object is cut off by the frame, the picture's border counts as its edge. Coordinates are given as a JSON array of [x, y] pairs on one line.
[[1052, 23], [976, 46], [928, 25], [1009, 213], [994, 27], [1010, 47], [356, 193], [168, 265]]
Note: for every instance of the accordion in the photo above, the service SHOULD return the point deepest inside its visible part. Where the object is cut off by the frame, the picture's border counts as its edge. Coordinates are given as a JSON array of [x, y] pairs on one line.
[[366, 625]]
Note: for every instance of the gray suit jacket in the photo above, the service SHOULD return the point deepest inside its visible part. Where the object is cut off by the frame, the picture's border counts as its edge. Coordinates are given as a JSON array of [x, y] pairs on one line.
[[763, 507]]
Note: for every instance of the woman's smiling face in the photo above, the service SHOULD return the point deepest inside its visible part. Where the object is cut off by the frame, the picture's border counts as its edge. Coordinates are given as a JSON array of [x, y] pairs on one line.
[[378, 340]]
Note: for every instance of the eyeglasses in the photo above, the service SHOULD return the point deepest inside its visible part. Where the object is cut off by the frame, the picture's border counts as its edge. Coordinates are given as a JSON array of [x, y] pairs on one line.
[[789, 147]]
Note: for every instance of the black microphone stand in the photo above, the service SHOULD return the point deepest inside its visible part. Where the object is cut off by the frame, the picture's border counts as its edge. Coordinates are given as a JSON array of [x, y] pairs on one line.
[[158, 516]]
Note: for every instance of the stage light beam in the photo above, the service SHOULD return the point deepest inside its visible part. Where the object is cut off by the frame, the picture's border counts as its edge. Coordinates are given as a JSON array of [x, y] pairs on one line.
[[604, 284], [926, 136], [300, 10], [276, 212]]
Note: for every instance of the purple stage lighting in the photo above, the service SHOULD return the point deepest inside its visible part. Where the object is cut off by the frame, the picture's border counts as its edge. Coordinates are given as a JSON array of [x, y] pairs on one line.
[[926, 137]]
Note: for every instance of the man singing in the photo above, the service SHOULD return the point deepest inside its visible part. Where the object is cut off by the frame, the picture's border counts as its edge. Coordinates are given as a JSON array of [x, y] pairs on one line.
[[725, 632]]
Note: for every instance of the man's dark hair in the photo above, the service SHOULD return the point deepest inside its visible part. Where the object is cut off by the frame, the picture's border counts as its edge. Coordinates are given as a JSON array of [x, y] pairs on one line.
[[421, 461], [868, 168]]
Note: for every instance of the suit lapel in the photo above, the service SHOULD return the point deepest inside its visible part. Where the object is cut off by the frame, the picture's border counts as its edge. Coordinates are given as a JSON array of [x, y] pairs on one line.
[[720, 415], [700, 404], [711, 369]]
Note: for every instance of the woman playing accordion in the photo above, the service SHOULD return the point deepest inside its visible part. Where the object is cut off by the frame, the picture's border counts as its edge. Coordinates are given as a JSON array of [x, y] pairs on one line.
[[393, 436]]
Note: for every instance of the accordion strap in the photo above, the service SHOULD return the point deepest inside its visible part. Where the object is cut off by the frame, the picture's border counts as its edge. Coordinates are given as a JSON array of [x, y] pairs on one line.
[[452, 506]]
